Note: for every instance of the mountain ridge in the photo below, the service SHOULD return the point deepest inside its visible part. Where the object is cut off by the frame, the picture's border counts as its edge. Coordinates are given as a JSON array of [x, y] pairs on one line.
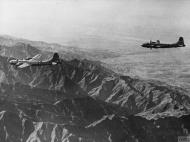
[[66, 52], [135, 95]]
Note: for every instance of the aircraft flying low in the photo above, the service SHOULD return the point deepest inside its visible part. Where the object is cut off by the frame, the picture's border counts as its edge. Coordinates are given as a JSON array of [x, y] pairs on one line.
[[179, 43], [35, 61]]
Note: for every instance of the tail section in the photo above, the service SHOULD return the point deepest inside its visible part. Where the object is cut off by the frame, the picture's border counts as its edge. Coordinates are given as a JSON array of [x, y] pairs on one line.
[[55, 58], [181, 41]]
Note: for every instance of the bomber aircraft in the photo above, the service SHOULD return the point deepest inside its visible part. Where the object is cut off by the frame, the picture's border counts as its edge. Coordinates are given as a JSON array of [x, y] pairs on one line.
[[34, 61], [179, 43]]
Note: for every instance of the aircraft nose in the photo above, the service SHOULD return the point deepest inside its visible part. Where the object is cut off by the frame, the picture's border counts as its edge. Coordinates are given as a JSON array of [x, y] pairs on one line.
[[13, 61], [143, 45]]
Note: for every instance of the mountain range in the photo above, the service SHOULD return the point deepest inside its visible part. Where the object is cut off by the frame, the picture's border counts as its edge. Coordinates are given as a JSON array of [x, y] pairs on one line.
[[80, 100]]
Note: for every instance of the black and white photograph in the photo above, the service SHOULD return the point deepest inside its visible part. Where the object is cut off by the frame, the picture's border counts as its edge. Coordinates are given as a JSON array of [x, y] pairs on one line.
[[94, 70]]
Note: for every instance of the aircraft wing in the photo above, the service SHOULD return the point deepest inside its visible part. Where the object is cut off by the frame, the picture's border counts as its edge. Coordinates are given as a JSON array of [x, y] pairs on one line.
[[36, 57], [23, 65]]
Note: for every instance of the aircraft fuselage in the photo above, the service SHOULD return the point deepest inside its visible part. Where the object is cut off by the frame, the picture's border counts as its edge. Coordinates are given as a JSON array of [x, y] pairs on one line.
[[149, 45], [179, 43], [35, 61], [32, 63]]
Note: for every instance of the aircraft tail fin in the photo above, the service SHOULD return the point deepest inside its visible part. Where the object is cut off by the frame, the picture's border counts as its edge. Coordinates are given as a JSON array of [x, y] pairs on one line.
[[55, 57], [181, 41]]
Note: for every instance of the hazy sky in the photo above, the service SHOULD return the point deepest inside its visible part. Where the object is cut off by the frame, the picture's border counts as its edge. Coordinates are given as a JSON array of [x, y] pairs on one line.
[[74, 21]]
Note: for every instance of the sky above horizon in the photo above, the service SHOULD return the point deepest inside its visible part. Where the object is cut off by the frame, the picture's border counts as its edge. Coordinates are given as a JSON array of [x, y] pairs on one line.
[[75, 21]]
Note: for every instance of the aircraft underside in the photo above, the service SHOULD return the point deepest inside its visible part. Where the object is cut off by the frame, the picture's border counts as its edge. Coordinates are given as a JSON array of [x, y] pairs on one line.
[[162, 46]]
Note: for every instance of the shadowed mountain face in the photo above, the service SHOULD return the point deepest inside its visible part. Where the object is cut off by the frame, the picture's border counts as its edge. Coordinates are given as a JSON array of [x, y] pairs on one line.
[[81, 100]]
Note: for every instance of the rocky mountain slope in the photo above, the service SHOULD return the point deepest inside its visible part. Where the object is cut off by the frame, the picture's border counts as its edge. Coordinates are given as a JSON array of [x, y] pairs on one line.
[[38, 117], [135, 95], [82, 101]]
